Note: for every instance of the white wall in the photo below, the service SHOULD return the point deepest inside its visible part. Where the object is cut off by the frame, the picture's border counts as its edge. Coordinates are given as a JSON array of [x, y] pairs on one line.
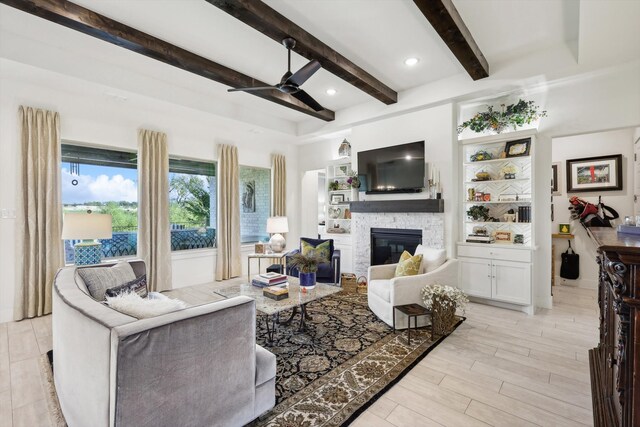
[[590, 145], [90, 115]]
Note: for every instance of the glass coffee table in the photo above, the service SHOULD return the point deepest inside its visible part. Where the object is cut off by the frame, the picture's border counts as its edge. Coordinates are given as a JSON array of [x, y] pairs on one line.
[[271, 308]]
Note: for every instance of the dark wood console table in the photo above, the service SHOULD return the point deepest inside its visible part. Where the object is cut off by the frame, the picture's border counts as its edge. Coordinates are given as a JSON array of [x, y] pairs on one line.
[[615, 362]]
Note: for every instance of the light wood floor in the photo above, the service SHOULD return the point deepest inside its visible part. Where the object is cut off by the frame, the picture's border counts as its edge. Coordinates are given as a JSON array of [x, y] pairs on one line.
[[499, 368]]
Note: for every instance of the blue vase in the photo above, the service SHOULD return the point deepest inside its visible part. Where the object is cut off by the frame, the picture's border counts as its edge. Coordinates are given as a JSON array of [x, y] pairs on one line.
[[308, 280]]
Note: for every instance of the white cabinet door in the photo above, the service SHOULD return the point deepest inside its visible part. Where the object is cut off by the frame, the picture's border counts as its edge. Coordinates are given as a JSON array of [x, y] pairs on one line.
[[511, 282], [475, 276]]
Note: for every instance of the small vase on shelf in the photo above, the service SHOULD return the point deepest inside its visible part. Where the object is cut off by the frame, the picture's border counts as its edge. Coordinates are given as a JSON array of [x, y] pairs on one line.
[[354, 195]]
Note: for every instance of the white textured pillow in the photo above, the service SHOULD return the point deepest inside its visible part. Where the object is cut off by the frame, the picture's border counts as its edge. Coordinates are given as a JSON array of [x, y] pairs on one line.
[[132, 304], [431, 258]]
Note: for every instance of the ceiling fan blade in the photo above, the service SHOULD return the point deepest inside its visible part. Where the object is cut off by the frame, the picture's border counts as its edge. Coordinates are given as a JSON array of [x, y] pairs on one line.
[[251, 89], [303, 74], [307, 99]]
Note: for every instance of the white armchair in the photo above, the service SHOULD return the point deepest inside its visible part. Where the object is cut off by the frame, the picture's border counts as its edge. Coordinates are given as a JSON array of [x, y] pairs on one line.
[[386, 291]]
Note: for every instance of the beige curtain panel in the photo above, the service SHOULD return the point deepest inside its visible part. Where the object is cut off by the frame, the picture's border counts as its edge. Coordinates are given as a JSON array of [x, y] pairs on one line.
[[228, 263], [279, 168], [40, 212], [154, 228]]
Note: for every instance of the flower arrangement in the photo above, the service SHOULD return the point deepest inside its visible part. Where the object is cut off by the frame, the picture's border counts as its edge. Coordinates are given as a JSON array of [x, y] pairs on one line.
[[518, 114], [443, 302], [447, 295], [353, 180]]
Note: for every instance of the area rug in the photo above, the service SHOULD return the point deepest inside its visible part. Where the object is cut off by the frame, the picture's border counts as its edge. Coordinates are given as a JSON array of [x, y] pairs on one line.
[[347, 358], [330, 373]]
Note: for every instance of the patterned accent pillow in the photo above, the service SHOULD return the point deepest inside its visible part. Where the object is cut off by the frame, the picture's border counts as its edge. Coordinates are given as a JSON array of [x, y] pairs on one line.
[[321, 249], [139, 286], [99, 279], [409, 265]]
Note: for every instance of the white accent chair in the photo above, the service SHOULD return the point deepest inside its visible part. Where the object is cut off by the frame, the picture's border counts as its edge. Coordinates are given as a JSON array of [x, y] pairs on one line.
[[385, 291]]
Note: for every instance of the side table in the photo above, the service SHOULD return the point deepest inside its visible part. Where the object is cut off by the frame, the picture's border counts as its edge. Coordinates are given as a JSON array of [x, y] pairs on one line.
[[280, 256], [411, 310]]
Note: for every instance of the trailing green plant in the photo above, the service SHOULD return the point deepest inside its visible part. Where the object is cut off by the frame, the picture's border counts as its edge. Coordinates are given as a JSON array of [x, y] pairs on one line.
[[305, 263], [478, 212], [518, 114], [334, 185]]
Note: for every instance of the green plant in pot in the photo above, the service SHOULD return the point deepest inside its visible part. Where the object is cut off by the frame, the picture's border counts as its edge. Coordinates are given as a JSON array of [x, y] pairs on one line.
[[307, 266], [478, 213]]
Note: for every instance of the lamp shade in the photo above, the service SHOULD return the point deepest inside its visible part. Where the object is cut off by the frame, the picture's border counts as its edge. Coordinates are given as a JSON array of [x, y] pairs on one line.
[[277, 224], [86, 226]]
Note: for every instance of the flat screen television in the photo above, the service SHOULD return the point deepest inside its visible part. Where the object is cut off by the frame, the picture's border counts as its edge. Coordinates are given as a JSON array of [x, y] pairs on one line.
[[397, 169]]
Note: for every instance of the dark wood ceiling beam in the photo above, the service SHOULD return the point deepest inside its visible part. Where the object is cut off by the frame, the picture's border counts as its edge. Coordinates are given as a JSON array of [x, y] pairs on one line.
[[446, 20], [263, 18], [88, 22]]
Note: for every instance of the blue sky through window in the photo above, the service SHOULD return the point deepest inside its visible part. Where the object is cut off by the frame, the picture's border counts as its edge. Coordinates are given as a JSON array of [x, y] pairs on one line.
[[99, 184]]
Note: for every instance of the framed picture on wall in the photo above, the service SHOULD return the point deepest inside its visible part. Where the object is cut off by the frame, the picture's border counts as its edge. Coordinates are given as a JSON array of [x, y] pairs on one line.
[[602, 173], [556, 176]]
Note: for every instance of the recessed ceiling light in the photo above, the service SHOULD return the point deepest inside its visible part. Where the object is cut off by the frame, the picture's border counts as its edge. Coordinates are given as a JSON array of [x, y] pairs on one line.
[[331, 91], [408, 157], [410, 62]]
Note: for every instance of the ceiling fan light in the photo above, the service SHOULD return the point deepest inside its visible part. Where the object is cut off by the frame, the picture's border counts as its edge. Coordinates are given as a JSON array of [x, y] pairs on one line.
[[331, 91], [410, 62]]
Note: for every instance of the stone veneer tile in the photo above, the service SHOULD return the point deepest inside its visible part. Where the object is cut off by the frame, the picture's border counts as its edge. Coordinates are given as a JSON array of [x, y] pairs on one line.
[[431, 224]]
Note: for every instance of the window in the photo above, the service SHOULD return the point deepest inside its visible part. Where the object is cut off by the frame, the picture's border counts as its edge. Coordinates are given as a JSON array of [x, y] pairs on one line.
[[104, 181], [192, 204], [255, 203]]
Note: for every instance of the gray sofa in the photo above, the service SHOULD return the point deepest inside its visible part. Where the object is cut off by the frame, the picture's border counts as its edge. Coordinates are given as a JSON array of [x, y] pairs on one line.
[[194, 367]]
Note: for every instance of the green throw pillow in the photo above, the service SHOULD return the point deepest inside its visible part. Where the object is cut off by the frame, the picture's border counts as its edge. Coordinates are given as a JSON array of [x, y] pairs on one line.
[[409, 265], [323, 249]]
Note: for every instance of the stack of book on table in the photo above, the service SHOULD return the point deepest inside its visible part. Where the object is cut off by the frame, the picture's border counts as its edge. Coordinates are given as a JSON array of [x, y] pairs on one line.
[[276, 292], [268, 279]]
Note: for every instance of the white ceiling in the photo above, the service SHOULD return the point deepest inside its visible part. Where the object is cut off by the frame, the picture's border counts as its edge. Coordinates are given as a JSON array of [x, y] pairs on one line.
[[375, 34]]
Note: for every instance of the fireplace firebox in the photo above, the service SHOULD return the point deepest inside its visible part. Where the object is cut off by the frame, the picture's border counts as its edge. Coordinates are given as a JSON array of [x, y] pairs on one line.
[[387, 244]]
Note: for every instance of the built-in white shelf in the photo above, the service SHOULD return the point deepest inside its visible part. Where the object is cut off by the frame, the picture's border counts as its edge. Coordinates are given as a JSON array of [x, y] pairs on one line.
[[497, 181], [506, 159]]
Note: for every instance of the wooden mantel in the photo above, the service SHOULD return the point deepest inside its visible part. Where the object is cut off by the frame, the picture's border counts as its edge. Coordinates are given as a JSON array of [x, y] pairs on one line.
[[401, 206]]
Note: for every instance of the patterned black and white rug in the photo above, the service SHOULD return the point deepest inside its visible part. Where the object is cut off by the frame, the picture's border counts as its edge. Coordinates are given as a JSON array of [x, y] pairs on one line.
[[345, 360]]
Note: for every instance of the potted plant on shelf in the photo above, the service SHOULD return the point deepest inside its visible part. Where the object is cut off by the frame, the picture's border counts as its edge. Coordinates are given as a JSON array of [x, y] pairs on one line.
[[307, 266], [478, 213], [354, 184], [443, 302]]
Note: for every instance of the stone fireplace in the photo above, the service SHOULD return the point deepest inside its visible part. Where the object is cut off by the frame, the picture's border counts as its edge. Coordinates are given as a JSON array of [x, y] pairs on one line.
[[429, 225]]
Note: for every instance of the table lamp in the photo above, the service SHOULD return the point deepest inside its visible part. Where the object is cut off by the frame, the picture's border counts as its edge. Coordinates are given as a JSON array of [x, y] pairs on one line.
[[275, 226], [88, 227]]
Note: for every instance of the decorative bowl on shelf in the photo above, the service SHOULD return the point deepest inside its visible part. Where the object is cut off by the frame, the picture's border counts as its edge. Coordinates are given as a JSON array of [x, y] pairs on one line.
[[483, 176]]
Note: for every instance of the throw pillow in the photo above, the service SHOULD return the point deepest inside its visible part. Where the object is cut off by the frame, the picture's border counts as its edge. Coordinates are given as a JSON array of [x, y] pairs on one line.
[[321, 249], [132, 304], [99, 279], [409, 265], [431, 258], [139, 286]]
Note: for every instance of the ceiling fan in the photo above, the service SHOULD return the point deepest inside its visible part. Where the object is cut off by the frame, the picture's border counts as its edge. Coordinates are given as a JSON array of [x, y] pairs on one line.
[[291, 82]]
